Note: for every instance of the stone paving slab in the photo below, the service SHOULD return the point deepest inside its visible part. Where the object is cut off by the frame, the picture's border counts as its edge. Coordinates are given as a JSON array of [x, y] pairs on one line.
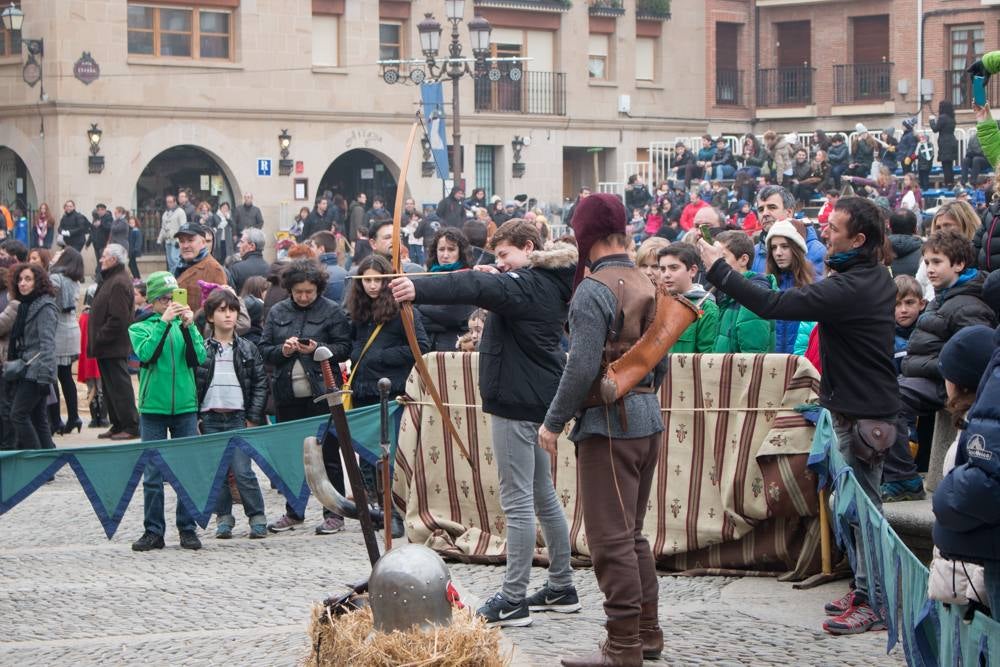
[[69, 596]]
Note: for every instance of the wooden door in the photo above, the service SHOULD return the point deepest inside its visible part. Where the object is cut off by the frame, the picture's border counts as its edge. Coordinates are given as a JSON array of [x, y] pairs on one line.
[[794, 43], [871, 39]]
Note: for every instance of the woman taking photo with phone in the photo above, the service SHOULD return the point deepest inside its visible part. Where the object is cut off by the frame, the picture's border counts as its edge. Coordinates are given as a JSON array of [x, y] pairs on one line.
[[294, 328], [31, 357]]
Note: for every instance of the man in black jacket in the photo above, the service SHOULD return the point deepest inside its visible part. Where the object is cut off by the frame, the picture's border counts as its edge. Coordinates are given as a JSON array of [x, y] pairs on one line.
[[247, 216], [319, 219], [520, 363], [74, 226], [251, 262], [854, 310], [451, 209], [100, 229]]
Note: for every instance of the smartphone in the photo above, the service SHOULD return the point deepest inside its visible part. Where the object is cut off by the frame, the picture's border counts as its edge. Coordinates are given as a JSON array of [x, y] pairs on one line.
[[979, 90], [180, 296], [305, 341], [706, 234]]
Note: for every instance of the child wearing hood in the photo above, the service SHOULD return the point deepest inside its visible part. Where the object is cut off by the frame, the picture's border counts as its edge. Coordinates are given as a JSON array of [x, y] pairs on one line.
[[745, 218], [889, 147], [679, 265], [907, 148], [965, 501], [925, 160]]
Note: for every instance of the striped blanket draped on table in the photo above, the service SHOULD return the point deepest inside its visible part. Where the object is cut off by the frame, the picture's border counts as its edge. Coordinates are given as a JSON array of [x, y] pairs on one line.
[[732, 492]]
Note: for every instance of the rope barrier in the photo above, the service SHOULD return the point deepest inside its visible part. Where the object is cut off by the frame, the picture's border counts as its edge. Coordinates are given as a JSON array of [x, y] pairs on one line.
[[406, 401]]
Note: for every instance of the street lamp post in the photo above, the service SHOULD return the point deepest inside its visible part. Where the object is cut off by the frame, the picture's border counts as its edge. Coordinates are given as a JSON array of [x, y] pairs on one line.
[[13, 20], [455, 67]]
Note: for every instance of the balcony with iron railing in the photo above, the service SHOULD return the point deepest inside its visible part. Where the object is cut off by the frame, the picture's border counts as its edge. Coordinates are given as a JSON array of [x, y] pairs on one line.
[[958, 88], [862, 83], [729, 87], [785, 86], [536, 93]]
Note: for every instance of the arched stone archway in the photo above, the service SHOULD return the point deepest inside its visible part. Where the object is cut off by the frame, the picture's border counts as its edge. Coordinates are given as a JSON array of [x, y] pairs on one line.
[[361, 170], [186, 167], [17, 187]]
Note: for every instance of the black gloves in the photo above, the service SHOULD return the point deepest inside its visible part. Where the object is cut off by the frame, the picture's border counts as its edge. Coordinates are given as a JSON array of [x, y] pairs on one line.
[[979, 69]]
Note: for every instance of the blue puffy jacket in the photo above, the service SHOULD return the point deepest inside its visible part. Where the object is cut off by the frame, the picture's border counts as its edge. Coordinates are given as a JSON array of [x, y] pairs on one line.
[[785, 331], [967, 502], [815, 251]]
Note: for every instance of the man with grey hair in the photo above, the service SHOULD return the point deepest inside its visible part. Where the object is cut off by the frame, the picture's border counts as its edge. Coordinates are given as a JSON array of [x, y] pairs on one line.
[[173, 218], [711, 216], [248, 215], [251, 247], [774, 203], [108, 341]]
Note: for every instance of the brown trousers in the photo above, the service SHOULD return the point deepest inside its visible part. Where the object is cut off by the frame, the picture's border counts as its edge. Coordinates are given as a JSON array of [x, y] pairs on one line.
[[623, 561]]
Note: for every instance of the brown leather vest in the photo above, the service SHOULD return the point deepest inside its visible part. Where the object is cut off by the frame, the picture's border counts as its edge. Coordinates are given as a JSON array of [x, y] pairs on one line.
[[636, 297]]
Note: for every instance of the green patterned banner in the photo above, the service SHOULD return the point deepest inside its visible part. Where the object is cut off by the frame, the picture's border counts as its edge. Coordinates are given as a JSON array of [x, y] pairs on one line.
[[932, 633], [195, 467]]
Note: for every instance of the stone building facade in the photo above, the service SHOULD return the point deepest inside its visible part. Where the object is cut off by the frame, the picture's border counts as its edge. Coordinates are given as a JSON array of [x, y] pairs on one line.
[[195, 93]]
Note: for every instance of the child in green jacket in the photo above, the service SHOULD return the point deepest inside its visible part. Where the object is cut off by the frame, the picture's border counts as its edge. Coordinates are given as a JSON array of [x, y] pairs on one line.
[[987, 238], [169, 350], [741, 330], [678, 268]]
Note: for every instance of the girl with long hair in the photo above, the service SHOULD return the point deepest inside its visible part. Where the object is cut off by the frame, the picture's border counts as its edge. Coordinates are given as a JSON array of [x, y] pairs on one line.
[[450, 250], [252, 294], [32, 341], [379, 345], [884, 185], [41, 257], [787, 262], [67, 277], [42, 231]]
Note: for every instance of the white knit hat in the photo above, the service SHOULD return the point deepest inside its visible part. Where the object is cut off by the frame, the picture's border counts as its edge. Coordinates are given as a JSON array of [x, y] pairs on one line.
[[860, 128], [786, 229]]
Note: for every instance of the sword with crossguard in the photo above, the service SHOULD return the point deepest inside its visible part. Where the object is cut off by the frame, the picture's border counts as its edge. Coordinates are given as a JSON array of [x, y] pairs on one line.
[[312, 453]]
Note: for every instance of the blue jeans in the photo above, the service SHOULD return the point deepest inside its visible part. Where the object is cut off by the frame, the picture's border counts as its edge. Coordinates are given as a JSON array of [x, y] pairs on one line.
[[155, 427], [991, 573], [173, 253], [724, 172], [246, 480]]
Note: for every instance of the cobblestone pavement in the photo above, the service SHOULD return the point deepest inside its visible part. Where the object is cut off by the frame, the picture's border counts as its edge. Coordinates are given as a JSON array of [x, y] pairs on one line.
[[71, 597]]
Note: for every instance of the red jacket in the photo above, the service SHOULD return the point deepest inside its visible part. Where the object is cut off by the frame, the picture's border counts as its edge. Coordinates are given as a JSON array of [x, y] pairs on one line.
[[750, 223], [812, 350], [687, 215]]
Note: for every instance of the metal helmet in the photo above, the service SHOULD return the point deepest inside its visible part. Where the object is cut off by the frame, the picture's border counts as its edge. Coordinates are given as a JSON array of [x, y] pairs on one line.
[[409, 586]]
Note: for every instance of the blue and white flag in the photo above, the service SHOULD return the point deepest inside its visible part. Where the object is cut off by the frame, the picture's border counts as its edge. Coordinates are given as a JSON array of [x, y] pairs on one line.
[[432, 96]]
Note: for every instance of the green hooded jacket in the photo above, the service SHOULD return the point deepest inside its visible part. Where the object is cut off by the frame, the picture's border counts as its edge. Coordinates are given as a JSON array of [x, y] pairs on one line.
[[740, 330], [699, 336], [987, 131], [166, 374]]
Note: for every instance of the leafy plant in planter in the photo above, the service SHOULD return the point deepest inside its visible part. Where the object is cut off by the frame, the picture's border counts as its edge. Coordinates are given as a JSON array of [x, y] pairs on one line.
[[653, 7]]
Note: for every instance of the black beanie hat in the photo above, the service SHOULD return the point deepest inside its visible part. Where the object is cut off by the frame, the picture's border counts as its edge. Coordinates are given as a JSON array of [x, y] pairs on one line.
[[965, 356], [596, 217]]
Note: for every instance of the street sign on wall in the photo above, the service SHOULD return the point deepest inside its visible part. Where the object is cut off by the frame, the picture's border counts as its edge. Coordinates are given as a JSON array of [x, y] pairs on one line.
[[263, 166]]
